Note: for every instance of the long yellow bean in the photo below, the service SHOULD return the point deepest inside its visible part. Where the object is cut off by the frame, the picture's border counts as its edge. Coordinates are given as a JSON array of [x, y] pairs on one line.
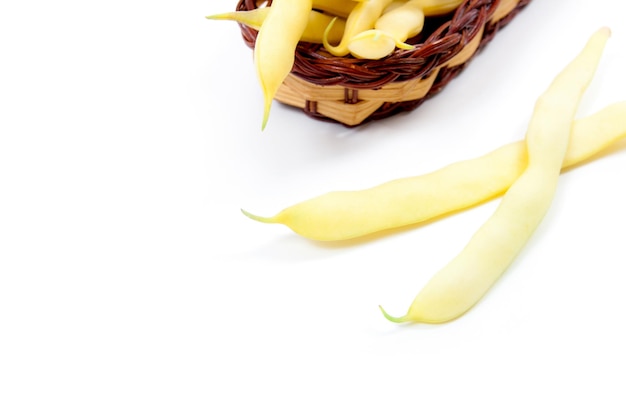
[[438, 7], [341, 8], [391, 30], [394, 5], [402, 22], [276, 44], [362, 18], [374, 44], [344, 215], [313, 32], [463, 282]]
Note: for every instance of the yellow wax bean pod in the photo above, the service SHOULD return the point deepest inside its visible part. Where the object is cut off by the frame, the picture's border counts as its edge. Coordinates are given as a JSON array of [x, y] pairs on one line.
[[253, 18], [341, 8], [276, 44], [463, 282], [438, 7], [342, 215], [374, 44], [362, 18], [391, 30], [316, 27], [394, 5], [314, 31], [403, 22]]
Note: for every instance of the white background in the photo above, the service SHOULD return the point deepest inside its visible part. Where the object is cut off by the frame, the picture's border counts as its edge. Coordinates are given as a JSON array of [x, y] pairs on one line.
[[131, 284]]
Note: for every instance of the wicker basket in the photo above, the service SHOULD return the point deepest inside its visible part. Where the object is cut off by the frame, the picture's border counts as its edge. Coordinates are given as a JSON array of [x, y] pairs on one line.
[[352, 91]]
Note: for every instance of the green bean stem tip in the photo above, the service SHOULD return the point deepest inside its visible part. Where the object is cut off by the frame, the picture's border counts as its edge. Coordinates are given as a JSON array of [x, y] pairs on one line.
[[392, 318], [404, 45], [325, 42], [258, 218], [220, 16], [266, 112]]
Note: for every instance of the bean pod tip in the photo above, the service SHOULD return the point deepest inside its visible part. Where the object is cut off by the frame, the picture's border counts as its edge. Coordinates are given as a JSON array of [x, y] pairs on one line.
[[258, 218], [391, 318]]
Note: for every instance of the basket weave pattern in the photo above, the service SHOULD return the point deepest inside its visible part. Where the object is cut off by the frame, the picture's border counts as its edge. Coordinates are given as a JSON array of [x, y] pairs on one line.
[[352, 91]]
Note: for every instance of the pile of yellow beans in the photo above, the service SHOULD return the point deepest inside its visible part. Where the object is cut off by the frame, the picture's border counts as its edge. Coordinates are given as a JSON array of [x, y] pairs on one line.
[[524, 173], [367, 29]]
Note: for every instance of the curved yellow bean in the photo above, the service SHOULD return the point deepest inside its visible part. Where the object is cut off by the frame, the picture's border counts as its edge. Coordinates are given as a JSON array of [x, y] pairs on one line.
[[313, 32], [344, 215], [464, 281], [362, 18], [373, 44], [402, 22], [276, 44], [394, 5], [438, 7], [341, 8], [391, 30]]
